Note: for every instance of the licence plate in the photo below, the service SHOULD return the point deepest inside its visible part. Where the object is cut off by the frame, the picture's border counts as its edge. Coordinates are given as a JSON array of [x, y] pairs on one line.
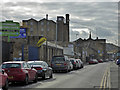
[[10, 77], [58, 64], [39, 71]]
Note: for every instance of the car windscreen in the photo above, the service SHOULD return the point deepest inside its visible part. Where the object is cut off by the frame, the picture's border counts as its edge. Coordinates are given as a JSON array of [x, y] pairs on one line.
[[11, 65]]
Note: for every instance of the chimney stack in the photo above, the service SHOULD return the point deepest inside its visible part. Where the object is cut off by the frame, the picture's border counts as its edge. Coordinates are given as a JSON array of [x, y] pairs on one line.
[[47, 16], [67, 18]]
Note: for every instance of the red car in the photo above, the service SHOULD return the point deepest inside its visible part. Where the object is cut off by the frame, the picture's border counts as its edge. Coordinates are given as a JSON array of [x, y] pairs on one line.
[[100, 60], [3, 80], [19, 71], [93, 61]]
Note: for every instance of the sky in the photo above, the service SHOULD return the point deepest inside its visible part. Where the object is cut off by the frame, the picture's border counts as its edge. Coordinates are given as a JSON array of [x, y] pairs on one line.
[[98, 16]]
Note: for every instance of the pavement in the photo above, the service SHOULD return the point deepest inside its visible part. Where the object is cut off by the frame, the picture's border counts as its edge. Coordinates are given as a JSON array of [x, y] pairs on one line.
[[115, 76]]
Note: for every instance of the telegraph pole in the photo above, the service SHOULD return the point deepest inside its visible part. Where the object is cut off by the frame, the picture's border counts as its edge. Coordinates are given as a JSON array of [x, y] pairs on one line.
[[46, 38]]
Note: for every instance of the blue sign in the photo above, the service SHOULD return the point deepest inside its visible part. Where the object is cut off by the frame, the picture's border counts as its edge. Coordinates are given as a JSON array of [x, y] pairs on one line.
[[21, 35], [98, 51]]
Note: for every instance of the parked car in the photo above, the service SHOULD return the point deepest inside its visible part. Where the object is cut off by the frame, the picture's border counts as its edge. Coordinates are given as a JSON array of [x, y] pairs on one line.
[[93, 61], [19, 71], [73, 62], [60, 63], [100, 60], [43, 70], [82, 64], [71, 66], [79, 64], [111, 59], [4, 83], [106, 60]]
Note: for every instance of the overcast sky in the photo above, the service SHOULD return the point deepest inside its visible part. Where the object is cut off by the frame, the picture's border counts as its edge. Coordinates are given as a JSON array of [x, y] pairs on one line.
[[101, 18]]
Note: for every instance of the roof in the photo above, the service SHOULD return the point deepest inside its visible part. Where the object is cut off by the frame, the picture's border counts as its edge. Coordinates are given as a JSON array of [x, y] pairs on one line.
[[47, 20]]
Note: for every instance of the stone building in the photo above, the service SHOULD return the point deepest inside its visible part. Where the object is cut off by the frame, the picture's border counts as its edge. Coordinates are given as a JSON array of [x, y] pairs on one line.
[[90, 48], [53, 31], [44, 27], [63, 30]]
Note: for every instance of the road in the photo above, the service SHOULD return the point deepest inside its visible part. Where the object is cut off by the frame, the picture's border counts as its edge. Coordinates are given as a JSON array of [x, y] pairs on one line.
[[91, 76]]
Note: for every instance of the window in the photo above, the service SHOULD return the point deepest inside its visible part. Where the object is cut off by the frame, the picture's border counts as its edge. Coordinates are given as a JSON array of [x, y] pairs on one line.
[[28, 65], [47, 23], [45, 65], [31, 23], [11, 65], [24, 65], [60, 19], [31, 29], [42, 29], [48, 29], [0, 69], [42, 23], [26, 23]]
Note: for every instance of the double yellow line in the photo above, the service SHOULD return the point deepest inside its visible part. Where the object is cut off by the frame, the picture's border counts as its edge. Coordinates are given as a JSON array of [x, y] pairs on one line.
[[105, 83]]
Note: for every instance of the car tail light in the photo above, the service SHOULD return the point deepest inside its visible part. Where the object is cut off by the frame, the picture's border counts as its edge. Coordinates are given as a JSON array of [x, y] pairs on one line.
[[74, 63], [21, 70], [65, 63], [39, 68], [91, 62], [51, 65]]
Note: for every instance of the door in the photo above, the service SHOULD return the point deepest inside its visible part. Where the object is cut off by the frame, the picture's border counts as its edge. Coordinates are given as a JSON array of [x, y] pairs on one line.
[[33, 53]]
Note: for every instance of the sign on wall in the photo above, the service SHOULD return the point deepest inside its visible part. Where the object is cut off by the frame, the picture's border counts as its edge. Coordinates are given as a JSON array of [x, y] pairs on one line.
[[22, 33], [41, 41]]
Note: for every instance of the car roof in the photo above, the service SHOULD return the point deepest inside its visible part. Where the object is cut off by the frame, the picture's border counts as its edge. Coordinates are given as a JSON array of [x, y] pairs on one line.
[[78, 59], [35, 61], [14, 62], [71, 58]]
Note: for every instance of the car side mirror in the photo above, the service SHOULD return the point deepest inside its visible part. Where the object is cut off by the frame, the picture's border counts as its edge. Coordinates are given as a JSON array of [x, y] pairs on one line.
[[3, 71]]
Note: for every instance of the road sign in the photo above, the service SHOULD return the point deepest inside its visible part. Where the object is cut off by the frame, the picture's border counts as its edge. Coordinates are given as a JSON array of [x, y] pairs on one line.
[[9, 28], [22, 33], [41, 41]]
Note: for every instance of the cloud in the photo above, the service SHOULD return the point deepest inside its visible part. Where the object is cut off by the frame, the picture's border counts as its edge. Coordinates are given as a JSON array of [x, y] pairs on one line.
[[99, 17]]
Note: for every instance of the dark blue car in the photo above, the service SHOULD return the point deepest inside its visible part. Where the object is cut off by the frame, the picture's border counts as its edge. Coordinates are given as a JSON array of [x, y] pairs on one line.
[[118, 62]]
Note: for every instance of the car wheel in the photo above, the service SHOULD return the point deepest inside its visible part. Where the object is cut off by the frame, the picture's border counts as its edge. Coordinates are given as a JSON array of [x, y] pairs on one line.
[[6, 85], [44, 77], [36, 78], [26, 80], [66, 70], [51, 76], [119, 65]]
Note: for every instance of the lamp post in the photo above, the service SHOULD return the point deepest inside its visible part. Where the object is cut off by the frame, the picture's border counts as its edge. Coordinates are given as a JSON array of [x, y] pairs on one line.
[[56, 38]]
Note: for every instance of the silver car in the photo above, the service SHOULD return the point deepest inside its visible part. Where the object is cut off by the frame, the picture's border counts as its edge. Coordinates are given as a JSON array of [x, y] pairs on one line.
[[60, 63]]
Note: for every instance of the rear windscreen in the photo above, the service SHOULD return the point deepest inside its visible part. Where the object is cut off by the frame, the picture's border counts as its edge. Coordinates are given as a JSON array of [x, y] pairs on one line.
[[72, 61], [58, 59], [11, 65], [35, 63]]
